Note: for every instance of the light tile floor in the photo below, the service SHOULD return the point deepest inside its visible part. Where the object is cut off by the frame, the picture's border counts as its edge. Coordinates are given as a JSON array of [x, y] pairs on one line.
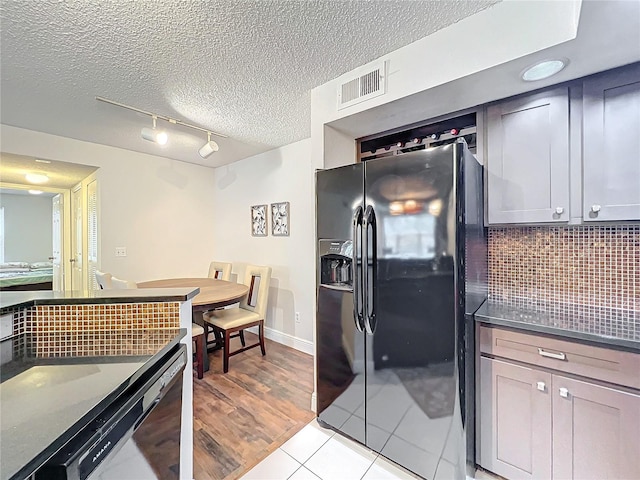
[[316, 453]]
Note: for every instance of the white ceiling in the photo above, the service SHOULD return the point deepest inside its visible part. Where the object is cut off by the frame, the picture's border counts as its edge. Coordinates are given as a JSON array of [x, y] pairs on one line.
[[243, 68], [62, 175]]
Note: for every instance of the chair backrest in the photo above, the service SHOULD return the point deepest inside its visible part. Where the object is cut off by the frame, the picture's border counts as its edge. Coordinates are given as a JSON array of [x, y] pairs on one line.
[[220, 270], [257, 278], [122, 284], [103, 279]]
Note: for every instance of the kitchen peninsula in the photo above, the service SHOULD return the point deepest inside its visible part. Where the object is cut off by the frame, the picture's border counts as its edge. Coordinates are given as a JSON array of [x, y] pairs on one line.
[[68, 357]]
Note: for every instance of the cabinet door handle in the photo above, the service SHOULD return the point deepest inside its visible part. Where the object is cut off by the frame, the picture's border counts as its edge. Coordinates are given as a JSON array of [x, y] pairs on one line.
[[559, 210], [595, 208], [557, 356], [541, 386], [564, 393]]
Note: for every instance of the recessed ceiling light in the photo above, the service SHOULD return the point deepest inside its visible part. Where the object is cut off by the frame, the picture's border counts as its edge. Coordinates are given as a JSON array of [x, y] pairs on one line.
[[35, 192], [39, 160], [543, 69], [36, 178]]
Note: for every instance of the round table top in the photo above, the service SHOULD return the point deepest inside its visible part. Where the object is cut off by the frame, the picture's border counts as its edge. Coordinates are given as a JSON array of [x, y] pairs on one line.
[[213, 293]]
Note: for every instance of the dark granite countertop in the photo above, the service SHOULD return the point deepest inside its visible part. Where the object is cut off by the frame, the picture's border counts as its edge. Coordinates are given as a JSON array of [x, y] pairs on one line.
[[13, 300], [45, 402], [604, 327]]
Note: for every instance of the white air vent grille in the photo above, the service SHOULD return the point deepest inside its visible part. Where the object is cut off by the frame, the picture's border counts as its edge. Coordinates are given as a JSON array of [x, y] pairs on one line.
[[363, 87]]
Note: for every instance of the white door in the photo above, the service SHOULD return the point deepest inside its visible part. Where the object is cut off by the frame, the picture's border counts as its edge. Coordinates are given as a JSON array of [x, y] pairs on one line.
[[57, 242], [76, 239], [92, 233]]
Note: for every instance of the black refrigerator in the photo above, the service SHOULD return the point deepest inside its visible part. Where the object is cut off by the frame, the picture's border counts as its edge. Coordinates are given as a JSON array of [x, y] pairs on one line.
[[401, 268]]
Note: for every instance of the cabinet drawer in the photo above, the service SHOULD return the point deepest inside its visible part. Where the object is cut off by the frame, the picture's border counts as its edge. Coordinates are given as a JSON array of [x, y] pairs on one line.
[[621, 368]]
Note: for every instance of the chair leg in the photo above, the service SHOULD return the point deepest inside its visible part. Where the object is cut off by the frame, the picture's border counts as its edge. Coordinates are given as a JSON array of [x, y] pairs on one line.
[[242, 338], [219, 340], [261, 336], [201, 351], [225, 353]]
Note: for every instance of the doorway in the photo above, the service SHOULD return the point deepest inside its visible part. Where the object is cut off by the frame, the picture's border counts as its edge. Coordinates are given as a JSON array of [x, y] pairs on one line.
[[72, 192]]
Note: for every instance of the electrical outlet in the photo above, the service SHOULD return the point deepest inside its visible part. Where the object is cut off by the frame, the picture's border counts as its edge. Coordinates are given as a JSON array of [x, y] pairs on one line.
[[297, 317], [121, 251]]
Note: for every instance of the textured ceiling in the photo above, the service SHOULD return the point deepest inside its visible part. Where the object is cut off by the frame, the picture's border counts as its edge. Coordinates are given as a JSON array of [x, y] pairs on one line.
[[242, 68]]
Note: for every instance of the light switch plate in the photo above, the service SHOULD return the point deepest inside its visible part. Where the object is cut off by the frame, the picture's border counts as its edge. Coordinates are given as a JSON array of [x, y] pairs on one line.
[[121, 251]]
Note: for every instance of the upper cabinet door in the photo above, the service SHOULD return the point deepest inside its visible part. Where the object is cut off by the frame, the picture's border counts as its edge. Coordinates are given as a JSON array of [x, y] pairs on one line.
[[528, 159], [612, 146]]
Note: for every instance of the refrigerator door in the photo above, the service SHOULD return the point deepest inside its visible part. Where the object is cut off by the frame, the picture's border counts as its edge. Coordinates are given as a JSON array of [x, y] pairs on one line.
[[339, 327], [411, 372]]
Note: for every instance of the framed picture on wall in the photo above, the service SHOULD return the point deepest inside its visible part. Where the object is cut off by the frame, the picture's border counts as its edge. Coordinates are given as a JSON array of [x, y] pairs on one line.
[[259, 220], [280, 219]]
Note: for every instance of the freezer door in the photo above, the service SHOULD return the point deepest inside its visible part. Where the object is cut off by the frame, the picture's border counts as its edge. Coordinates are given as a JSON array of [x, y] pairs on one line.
[[338, 192], [340, 362], [411, 376]]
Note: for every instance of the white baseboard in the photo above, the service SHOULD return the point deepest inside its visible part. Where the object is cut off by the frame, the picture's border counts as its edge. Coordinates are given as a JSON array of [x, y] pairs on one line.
[[285, 339]]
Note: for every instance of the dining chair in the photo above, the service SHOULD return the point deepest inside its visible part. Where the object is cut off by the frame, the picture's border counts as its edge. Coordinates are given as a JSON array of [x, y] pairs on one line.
[[230, 323], [220, 270], [200, 349], [103, 279], [197, 332], [119, 284]]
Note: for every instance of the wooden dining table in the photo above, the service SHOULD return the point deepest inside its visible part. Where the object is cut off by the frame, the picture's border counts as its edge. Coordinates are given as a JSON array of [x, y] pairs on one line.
[[213, 294]]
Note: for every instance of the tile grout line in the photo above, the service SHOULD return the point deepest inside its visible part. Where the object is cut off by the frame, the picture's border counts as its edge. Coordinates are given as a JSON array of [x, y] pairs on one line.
[[316, 451]]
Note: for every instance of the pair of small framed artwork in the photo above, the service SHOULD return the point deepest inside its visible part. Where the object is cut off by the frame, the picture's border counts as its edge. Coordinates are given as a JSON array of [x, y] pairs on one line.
[[279, 220]]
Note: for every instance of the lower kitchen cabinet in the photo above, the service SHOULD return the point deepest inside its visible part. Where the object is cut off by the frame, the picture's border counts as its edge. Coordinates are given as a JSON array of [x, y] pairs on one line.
[[535, 424], [596, 431], [515, 420]]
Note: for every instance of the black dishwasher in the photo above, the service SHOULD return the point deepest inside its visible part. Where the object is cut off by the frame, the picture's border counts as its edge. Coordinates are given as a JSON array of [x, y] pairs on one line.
[[137, 437]]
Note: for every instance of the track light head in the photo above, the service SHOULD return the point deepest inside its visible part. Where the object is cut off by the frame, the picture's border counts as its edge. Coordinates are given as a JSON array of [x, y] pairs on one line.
[[208, 148], [154, 135]]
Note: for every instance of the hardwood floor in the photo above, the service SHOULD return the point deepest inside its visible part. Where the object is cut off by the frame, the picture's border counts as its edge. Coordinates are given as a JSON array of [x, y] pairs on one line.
[[242, 416]]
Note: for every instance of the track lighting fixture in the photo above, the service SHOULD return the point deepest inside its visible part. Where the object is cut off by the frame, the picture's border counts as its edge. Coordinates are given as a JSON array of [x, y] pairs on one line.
[[160, 137], [208, 148], [154, 135]]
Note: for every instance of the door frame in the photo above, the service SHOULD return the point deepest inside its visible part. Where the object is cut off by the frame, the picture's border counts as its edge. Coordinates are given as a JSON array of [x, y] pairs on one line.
[[67, 218]]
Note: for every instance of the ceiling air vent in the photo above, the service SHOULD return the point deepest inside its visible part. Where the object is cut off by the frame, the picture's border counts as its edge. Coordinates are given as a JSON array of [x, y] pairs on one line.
[[363, 87]]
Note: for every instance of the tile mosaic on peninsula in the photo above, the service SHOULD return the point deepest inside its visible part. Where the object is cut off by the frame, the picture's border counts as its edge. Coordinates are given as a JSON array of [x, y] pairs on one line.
[[111, 329]]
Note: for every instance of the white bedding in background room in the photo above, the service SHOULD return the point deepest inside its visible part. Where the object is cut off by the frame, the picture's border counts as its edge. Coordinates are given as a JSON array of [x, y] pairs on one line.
[[24, 273]]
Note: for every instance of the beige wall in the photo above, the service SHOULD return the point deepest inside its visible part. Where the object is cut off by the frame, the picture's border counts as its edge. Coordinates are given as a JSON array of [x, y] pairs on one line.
[[281, 175], [161, 210]]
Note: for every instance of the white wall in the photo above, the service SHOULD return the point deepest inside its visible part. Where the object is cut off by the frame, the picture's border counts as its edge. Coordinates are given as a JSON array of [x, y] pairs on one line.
[[161, 210], [27, 228], [281, 175]]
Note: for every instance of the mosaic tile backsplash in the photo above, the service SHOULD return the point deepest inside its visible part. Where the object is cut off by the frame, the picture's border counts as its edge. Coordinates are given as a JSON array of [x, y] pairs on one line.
[[88, 330], [577, 267]]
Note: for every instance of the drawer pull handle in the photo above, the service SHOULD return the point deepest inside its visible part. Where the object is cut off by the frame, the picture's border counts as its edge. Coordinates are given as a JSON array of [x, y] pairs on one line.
[[541, 386], [564, 393], [557, 356]]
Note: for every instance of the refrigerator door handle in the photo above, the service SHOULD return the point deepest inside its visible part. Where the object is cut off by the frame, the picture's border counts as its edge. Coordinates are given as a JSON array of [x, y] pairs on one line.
[[358, 297], [372, 269]]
